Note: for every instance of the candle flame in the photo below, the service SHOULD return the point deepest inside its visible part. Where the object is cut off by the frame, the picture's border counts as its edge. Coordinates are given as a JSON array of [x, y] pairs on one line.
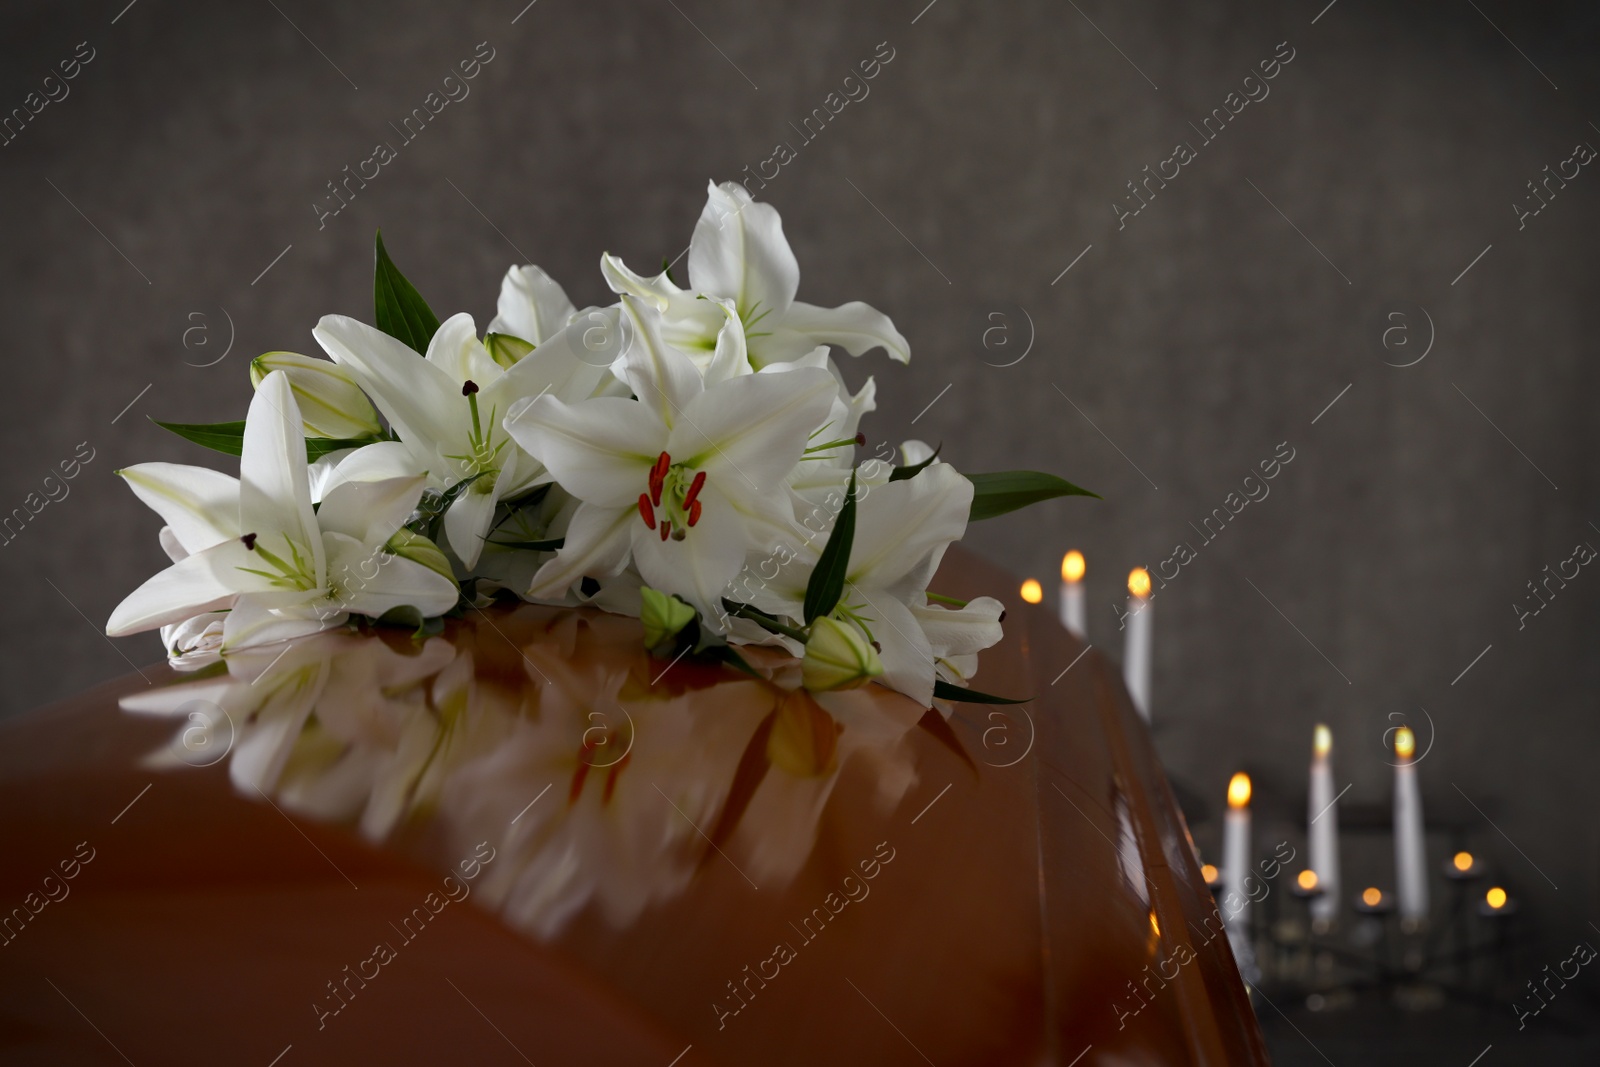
[[1463, 861], [1209, 873], [1405, 742], [1139, 582], [1496, 898], [1370, 897], [1239, 790], [1307, 880], [1321, 740], [1032, 591], [1155, 927], [1072, 566]]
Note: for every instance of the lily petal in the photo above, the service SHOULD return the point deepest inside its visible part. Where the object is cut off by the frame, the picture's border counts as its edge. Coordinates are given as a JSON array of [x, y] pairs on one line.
[[658, 289], [600, 449], [456, 350], [597, 544], [467, 521], [200, 505], [205, 581], [907, 655], [960, 632], [663, 379], [731, 357], [854, 327], [268, 618], [398, 582], [568, 365], [532, 305], [753, 428], [370, 511], [899, 525], [699, 567], [739, 252], [410, 391], [274, 487]]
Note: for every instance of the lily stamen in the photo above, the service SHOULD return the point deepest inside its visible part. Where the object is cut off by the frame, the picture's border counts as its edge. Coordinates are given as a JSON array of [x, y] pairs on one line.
[[646, 511], [469, 389]]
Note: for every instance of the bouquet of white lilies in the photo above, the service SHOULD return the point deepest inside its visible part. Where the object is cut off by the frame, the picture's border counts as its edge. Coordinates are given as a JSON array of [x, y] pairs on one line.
[[685, 455]]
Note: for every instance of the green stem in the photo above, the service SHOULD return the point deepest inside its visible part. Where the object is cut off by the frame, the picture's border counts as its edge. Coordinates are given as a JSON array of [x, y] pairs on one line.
[[762, 619]]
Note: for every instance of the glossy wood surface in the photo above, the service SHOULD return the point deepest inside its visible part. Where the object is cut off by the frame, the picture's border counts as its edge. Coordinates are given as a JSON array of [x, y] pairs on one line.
[[685, 863]]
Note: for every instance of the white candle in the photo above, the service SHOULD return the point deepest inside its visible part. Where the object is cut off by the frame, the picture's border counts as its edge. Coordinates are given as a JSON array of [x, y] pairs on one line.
[[1136, 650], [1236, 852], [1073, 615], [1410, 857], [1323, 828]]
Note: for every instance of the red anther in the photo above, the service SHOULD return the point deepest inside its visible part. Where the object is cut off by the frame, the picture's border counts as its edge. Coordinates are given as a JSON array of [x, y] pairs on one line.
[[646, 512], [666, 528], [663, 461], [694, 489], [694, 512]]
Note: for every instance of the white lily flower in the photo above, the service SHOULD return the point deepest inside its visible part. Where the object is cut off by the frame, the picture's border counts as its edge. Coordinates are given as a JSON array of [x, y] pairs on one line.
[[280, 568], [448, 408], [742, 265], [902, 531], [685, 479]]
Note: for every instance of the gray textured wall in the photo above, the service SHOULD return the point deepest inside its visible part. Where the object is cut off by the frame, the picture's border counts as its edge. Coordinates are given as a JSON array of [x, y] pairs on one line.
[[1191, 342]]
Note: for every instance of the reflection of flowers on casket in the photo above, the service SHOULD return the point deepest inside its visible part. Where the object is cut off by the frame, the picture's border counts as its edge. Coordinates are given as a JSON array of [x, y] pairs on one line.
[[603, 775]]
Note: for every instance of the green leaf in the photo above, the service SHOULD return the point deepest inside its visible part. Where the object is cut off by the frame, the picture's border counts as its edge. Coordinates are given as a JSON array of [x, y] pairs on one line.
[[827, 579], [537, 546], [1003, 491], [943, 690], [317, 447], [900, 474], [399, 308], [224, 437], [228, 438]]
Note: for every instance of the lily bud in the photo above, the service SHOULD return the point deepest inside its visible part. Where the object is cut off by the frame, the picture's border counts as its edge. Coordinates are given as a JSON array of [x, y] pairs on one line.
[[418, 549], [838, 656], [805, 738], [331, 403], [505, 349], [664, 617]]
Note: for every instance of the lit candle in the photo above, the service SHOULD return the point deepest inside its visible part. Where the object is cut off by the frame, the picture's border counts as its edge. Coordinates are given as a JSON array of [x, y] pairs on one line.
[[1072, 608], [1136, 651], [1323, 828], [1410, 860], [1032, 591], [1236, 850]]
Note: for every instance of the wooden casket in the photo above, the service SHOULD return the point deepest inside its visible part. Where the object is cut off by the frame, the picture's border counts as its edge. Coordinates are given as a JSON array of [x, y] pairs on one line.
[[526, 841]]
